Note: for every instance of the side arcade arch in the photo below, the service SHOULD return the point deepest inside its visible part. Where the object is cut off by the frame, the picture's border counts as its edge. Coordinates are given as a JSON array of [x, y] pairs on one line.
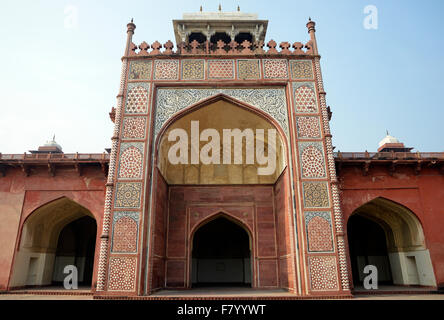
[[390, 236], [57, 234]]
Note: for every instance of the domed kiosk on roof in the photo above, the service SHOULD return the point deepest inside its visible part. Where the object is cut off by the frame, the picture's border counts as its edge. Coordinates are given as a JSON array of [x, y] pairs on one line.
[[388, 139], [51, 146], [390, 143]]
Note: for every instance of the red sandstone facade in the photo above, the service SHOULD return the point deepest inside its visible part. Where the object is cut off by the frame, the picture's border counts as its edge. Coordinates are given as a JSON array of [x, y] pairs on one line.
[[146, 223], [29, 183], [412, 181]]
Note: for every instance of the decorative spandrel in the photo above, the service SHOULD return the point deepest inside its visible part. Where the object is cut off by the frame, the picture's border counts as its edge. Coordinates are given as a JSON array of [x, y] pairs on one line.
[[172, 100]]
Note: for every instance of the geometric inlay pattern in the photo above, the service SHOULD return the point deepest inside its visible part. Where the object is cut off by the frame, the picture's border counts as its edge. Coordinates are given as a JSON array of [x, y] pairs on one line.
[[220, 69], [166, 70], [137, 98], [312, 159], [316, 194], [128, 195], [308, 127], [130, 160], [301, 69], [248, 69], [275, 68], [122, 273], [193, 69], [323, 273], [305, 97], [134, 128], [319, 231], [125, 231], [140, 70], [169, 101]]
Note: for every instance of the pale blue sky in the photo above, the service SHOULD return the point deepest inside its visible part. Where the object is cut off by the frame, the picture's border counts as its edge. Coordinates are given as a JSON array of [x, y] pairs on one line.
[[63, 81]]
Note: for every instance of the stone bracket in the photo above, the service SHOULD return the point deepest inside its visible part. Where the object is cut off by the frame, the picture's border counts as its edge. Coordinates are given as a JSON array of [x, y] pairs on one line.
[[26, 169], [366, 167]]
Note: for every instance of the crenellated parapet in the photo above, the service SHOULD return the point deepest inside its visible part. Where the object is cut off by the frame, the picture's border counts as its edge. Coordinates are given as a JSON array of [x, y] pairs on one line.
[[221, 48]]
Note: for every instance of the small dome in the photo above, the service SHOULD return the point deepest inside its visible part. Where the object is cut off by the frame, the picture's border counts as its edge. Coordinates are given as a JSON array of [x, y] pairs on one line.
[[388, 139], [52, 143]]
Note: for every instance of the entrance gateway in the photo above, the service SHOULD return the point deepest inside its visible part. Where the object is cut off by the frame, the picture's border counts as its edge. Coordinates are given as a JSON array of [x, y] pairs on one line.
[[198, 225], [216, 224]]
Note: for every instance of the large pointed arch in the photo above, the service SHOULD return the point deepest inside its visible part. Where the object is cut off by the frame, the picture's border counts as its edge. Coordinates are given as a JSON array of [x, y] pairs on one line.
[[212, 99], [407, 258], [39, 242], [402, 227], [167, 266], [227, 111]]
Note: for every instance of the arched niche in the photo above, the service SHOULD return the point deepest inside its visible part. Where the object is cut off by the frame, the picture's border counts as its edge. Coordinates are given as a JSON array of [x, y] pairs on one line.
[[407, 256]]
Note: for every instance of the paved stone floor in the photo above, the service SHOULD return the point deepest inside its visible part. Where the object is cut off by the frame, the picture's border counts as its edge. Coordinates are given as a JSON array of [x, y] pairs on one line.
[[222, 292], [385, 288], [385, 293]]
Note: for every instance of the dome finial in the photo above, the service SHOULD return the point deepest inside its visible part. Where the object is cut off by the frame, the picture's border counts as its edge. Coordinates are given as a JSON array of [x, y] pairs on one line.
[[238, 8], [220, 7], [200, 8], [387, 132]]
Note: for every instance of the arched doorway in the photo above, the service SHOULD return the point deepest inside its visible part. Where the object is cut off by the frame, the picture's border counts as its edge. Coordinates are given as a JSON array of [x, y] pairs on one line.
[[55, 235], [389, 236], [218, 259], [367, 243], [76, 246]]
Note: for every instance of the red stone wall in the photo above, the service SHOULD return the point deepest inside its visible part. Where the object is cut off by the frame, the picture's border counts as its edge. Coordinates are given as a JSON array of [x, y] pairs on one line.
[[21, 195], [284, 227], [252, 206], [423, 194], [159, 234]]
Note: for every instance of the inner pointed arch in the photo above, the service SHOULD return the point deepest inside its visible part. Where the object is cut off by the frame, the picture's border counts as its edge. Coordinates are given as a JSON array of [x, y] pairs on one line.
[[223, 116]]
